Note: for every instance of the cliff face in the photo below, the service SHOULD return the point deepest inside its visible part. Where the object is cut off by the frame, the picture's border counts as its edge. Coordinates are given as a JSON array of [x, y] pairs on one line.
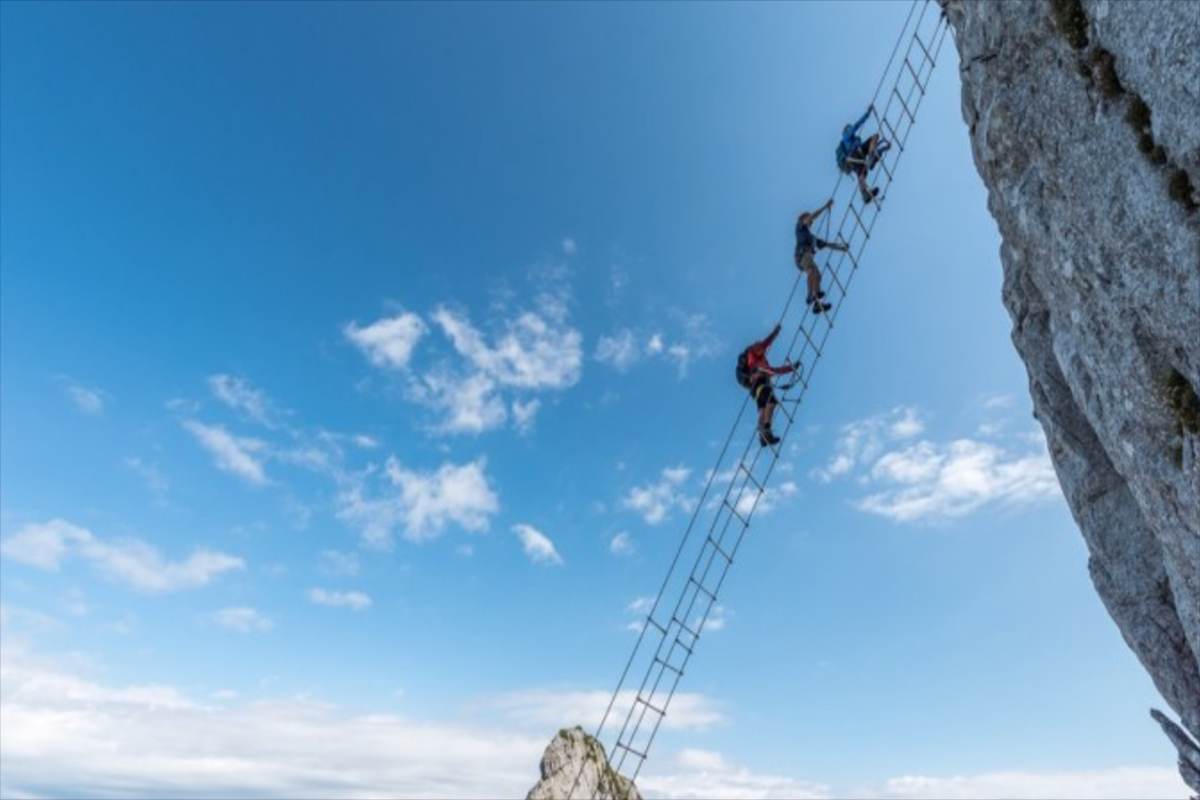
[[1084, 118]]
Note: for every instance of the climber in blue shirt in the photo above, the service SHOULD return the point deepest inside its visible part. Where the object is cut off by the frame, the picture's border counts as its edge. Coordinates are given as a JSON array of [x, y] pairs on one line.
[[858, 157]]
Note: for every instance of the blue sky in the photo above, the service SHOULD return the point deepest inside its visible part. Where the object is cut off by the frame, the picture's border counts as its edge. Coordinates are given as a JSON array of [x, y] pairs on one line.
[[361, 365]]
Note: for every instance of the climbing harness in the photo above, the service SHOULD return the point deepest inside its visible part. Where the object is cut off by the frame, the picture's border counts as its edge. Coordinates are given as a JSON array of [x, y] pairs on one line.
[[673, 626]]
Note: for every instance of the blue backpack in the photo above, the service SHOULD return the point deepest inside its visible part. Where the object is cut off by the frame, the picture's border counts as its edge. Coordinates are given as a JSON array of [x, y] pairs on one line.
[[843, 152]]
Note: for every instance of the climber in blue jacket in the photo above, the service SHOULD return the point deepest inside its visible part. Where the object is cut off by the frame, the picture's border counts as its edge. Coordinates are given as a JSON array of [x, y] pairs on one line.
[[858, 157]]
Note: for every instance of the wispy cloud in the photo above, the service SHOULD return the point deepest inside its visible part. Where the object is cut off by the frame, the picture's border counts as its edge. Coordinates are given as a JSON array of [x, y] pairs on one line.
[[1101, 784], [88, 400], [242, 619], [621, 544], [694, 339], [928, 480], [151, 475], [621, 350], [334, 562], [355, 601], [128, 561], [655, 501], [537, 545], [861, 441], [389, 342], [144, 740], [908, 479], [568, 246], [694, 773], [420, 504], [235, 454], [238, 394]]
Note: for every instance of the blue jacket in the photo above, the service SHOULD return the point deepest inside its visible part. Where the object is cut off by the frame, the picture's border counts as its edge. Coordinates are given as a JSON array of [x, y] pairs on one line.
[[850, 140]]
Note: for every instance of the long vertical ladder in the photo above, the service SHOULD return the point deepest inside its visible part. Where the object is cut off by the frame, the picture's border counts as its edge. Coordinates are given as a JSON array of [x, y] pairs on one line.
[[668, 638]]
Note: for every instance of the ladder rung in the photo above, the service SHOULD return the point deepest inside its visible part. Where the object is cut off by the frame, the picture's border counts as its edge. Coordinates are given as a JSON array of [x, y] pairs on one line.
[[649, 705], [734, 511], [858, 219], [700, 587], [631, 751], [650, 620], [916, 80], [903, 105], [728, 558], [750, 476], [924, 49], [678, 671], [694, 635], [895, 139]]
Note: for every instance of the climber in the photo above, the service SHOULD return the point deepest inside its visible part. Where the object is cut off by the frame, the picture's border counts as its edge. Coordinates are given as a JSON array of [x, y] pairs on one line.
[[854, 156], [755, 373], [806, 245]]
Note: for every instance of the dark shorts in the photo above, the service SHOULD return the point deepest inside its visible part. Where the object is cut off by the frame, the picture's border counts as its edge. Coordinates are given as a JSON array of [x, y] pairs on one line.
[[762, 393]]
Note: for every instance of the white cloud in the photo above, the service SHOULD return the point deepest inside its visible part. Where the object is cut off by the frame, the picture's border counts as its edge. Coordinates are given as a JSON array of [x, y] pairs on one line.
[[620, 350], [705, 773], [718, 619], [364, 441], [231, 453], [239, 395], [860, 442], [129, 561], [930, 481], [89, 401], [67, 735], [468, 405], [621, 544], [907, 425], [568, 246], [693, 340], [422, 504], [534, 352], [1102, 784], [389, 342], [537, 545], [334, 562], [242, 619], [925, 479], [997, 401], [356, 601], [655, 501]]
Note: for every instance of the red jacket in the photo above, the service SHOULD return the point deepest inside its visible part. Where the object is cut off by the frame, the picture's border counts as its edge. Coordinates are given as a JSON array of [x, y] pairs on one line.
[[756, 357]]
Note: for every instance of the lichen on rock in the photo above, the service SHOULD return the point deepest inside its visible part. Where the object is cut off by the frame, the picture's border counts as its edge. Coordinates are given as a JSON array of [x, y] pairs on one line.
[[1084, 120]]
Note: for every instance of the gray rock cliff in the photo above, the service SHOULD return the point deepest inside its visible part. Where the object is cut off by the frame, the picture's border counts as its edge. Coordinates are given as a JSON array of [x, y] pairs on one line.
[[571, 755], [1084, 119]]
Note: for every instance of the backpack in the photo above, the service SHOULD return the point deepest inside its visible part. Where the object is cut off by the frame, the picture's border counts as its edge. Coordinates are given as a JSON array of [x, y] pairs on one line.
[[742, 373], [843, 152]]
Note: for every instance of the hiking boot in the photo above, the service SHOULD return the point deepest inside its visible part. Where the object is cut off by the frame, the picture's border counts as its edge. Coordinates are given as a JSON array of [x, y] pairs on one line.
[[810, 299], [821, 295], [769, 438]]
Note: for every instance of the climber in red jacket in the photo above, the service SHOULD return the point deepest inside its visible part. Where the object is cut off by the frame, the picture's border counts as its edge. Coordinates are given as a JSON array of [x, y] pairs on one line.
[[755, 373]]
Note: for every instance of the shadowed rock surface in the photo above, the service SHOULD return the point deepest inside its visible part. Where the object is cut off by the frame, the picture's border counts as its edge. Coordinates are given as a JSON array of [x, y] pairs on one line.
[[1084, 118], [569, 752]]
